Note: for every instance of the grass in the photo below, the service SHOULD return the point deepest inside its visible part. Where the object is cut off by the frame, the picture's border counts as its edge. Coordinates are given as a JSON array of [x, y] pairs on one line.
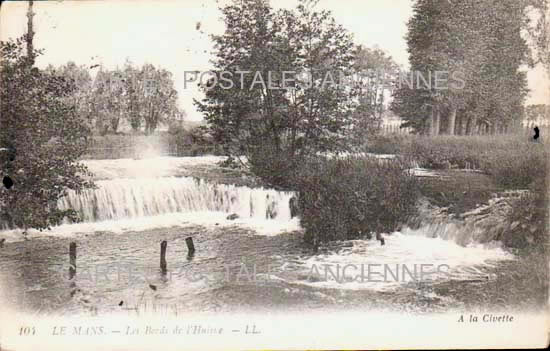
[[512, 161]]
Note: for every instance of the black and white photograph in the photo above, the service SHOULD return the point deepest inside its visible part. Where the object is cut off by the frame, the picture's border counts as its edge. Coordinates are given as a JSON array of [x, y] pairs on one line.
[[274, 174]]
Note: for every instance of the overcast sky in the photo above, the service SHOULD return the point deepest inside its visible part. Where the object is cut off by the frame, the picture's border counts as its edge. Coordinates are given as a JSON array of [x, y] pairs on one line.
[[163, 32]]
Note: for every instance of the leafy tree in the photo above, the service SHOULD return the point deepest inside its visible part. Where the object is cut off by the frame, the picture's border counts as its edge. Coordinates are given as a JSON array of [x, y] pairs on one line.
[[540, 33], [143, 96], [481, 41], [158, 103], [134, 92], [80, 77], [276, 127], [46, 137], [108, 100], [375, 74]]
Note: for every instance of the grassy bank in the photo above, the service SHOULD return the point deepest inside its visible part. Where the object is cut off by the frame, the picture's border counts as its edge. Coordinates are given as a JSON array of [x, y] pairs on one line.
[[507, 162]]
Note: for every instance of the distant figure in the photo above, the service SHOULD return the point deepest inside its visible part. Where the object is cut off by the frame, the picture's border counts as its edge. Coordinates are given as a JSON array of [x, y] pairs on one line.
[[271, 211], [293, 204], [537, 135], [8, 183]]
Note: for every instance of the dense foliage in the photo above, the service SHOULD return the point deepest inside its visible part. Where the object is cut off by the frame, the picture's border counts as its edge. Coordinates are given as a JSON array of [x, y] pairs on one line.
[[353, 197], [251, 118], [45, 137], [143, 97], [481, 43]]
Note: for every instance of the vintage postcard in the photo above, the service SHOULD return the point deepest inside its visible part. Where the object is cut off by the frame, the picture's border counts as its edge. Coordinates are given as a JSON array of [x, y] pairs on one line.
[[274, 174]]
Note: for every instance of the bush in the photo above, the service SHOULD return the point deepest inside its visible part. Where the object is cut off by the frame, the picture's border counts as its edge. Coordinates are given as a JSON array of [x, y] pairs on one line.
[[349, 198]]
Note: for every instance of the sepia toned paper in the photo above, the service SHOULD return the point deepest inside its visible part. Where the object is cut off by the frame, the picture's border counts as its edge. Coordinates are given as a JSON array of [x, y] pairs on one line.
[[180, 241]]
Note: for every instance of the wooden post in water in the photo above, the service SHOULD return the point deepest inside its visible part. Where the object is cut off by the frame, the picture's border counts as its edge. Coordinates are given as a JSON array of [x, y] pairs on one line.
[[190, 246], [72, 260], [163, 245]]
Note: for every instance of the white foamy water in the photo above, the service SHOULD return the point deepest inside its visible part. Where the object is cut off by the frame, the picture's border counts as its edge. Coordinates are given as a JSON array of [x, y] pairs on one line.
[[140, 197], [207, 219], [394, 264], [133, 204]]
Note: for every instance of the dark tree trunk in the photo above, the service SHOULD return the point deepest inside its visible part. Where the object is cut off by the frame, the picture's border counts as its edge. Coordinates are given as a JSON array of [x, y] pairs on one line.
[[437, 121], [468, 127], [30, 33], [452, 121]]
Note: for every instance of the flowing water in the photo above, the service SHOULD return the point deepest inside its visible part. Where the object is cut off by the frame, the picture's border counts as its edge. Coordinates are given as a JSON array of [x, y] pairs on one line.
[[253, 261]]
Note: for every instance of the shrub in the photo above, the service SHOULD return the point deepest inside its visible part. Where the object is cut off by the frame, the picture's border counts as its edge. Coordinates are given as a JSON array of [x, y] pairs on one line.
[[348, 198]]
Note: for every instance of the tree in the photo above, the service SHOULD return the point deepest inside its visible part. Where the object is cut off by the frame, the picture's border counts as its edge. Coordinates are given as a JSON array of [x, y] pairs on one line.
[[46, 137], [160, 97], [108, 100], [82, 81], [375, 75], [481, 41], [540, 33], [133, 88], [291, 121], [142, 96]]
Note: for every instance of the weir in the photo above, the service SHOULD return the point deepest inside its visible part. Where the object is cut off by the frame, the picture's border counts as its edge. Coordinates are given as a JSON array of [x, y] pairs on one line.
[[484, 224], [140, 197]]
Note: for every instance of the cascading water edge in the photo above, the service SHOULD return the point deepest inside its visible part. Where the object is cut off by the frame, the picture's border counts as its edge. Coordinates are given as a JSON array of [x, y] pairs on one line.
[[133, 204]]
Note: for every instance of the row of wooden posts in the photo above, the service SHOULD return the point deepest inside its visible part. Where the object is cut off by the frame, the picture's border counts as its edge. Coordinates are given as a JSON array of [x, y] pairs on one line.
[[163, 246]]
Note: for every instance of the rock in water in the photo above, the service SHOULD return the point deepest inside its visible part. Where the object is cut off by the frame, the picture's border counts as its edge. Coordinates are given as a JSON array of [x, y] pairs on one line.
[[293, 204], [232, 217], [271, 211]]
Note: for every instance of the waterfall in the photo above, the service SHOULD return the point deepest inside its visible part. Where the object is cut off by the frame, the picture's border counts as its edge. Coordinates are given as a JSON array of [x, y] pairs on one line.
[[140, 197], [483, 224]]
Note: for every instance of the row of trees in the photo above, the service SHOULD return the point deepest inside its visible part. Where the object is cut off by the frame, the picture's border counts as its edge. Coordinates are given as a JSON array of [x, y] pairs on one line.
[[144, 96], [479, 43], [484, 41]]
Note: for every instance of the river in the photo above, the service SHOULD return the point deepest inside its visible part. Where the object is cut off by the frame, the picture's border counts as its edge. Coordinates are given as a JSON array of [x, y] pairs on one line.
[[255, 261]]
